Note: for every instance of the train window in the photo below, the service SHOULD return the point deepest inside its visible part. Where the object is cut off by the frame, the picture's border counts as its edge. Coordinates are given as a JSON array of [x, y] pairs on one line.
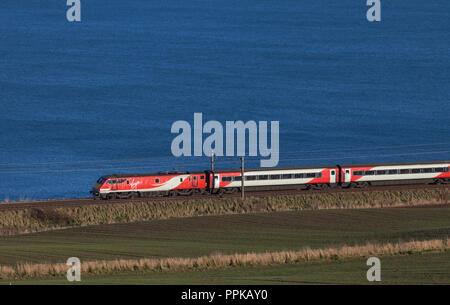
[[128, 182], [439, 170], [333, 173], [250, 178], [427, 170], [358, 173], [202, 177], [156, 180], [381, 172], [299, 175], [392, 172], [415, 170], [263, 177], [318, 175], [369, 173], [275, 177], [226, 178], [404, 171], [101, 180], [237, 178], [286, 176], [181, 179]]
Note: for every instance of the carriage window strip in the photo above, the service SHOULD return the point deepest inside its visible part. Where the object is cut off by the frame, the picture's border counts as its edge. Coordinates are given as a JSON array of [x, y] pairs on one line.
[[274, 177], [441, 170], [403, 171]]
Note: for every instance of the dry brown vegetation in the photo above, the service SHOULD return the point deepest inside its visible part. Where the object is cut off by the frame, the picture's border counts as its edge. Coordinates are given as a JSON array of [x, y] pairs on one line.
[[43, 219], [218, 260]]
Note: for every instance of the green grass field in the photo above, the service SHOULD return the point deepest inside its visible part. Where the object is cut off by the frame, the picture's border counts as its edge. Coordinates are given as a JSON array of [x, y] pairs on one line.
[[429, 268], [198, 236]]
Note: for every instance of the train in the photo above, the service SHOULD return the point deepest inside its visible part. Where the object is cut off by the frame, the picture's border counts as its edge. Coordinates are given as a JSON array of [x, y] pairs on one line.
[[185, 183]]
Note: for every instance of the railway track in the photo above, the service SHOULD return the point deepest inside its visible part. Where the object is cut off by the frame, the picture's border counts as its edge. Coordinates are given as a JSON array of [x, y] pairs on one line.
[[89, 201]]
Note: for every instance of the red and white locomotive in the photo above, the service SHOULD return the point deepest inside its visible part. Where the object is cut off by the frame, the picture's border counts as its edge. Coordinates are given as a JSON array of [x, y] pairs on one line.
[[230, 181]]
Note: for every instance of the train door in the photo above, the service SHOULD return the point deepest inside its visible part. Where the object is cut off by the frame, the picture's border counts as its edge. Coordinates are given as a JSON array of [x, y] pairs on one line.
[[114, 186], [212, 181], [216, 182], [194, 181], [332, 176], [347, 175]]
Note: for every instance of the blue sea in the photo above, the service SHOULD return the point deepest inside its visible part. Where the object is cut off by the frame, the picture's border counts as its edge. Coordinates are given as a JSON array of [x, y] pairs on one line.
[[83, 99]]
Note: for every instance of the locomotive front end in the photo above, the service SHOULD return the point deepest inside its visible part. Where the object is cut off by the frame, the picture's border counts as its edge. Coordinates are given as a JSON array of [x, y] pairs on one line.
[[96, 188]]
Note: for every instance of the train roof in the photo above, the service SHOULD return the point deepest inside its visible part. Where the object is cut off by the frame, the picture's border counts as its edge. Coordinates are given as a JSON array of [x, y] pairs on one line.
[[168, 173], [273, 168], [395, 163], [163, 173], [329, 166]]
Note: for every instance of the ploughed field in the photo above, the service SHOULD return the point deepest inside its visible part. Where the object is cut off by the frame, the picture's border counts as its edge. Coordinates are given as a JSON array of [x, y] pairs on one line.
[[258, 232]]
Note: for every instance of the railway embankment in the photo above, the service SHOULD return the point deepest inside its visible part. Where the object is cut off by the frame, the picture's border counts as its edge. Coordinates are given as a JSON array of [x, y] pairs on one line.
[[41, 218]]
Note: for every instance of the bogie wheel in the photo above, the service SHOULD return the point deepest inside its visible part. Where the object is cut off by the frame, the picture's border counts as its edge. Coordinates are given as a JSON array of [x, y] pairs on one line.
[[112, 196], [233, 190]]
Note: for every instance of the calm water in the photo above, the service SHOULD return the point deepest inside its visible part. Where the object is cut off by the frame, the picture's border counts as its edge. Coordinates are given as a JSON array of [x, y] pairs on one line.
[[79, 100]]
